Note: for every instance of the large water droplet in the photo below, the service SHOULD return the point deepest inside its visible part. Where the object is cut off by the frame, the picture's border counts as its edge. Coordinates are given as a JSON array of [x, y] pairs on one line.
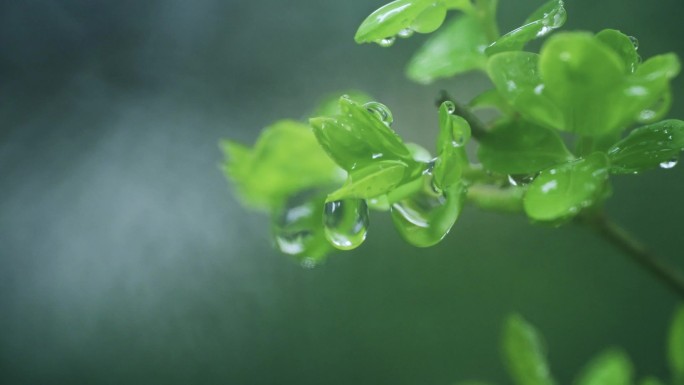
[[386, 42], [297, 228], [425, 218], [668, 164], [381, 112], [405, 33], [346, 223], [450, 106]]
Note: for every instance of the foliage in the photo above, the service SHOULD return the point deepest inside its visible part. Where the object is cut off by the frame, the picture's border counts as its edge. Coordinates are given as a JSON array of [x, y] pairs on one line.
[[550, 152]]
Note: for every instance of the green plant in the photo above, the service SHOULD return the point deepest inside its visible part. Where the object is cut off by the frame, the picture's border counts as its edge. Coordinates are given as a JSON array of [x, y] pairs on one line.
[[549, 154], [524, 356]]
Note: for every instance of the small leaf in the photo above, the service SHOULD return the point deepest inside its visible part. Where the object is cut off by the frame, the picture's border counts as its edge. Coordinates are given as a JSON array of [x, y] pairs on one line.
[[647, 147], [675, 353], [285, 159], [356, 137], [451, 156], [622, 45], [579, 75], [443, 55], [520, 147], [390, 20], [523, 353], [371, 181], [562, 191], [611, 367], [545, 19]]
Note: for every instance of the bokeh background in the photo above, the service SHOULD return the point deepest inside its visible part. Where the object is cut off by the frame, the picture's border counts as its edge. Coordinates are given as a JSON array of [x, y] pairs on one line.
[[125, 257]]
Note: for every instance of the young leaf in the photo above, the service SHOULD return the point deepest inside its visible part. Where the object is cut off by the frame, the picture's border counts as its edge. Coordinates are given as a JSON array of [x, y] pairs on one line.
[[545, 19], [263, 176], [424, 218], [390, 20], [611, 367], [451, 156], [371, 181], [520, 147], [357, 137], [647, 147], [622, 45], [516, 77], [561, 191], [523, 353], [443, 55], [676, 347]]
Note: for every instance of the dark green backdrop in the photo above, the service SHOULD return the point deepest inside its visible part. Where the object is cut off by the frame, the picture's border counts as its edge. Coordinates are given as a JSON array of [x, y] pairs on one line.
[[125, 257]]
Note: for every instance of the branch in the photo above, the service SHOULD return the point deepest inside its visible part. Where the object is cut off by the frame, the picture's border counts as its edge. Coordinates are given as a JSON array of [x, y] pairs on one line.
[[637, 251]]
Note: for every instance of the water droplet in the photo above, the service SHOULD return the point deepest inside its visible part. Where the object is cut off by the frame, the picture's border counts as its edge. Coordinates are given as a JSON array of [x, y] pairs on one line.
[[346, 223], [635, 42], [297, 230], [381, 112], [647, 115], [405, 33], [450, 106], [521, 179], [386, 42], [308, 263], [425, 218], [668, 164], [544, 30]]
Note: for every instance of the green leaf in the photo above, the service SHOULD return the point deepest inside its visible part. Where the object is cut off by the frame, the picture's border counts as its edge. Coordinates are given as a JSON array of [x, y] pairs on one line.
[[561, 191], [285, 159], [451, 156], [390, 20], [524, 353], [516, 77], [622, 45], [443, 55], [545, 19], [371, 181], [491, 99], [647, 147], [520, 147], [611, 367], [579, 75], [357, 137], [675, 352]]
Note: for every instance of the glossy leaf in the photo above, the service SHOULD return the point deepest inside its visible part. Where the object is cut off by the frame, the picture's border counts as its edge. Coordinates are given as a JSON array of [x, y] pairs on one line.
[[263, 176], [425, 217], [545, 19], [451, 156], [456, 48], [390, 20], [647, 147], [520, 147], [562, 191], [516, 77], [622, 45], [357, 137], [523, 353], [611, 367], [371, 181], [675, 352], [330, 104]]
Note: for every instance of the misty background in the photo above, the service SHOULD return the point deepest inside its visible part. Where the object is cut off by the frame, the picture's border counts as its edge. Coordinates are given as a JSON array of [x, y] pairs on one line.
[[125, 257]]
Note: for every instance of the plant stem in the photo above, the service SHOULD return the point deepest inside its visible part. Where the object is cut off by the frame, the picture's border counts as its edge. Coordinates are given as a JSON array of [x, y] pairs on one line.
[[637, 251]]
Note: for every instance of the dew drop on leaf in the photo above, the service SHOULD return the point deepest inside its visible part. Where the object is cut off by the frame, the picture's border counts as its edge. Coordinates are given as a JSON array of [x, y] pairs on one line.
[[386, 42], [405, 33], [668, 164], [634, 41], [425, 218], [346, 223], [291, 228], [381, 112], [521, 179]]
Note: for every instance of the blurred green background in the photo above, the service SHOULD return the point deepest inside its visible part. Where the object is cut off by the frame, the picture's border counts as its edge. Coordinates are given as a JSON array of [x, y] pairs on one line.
[[126, 258]]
